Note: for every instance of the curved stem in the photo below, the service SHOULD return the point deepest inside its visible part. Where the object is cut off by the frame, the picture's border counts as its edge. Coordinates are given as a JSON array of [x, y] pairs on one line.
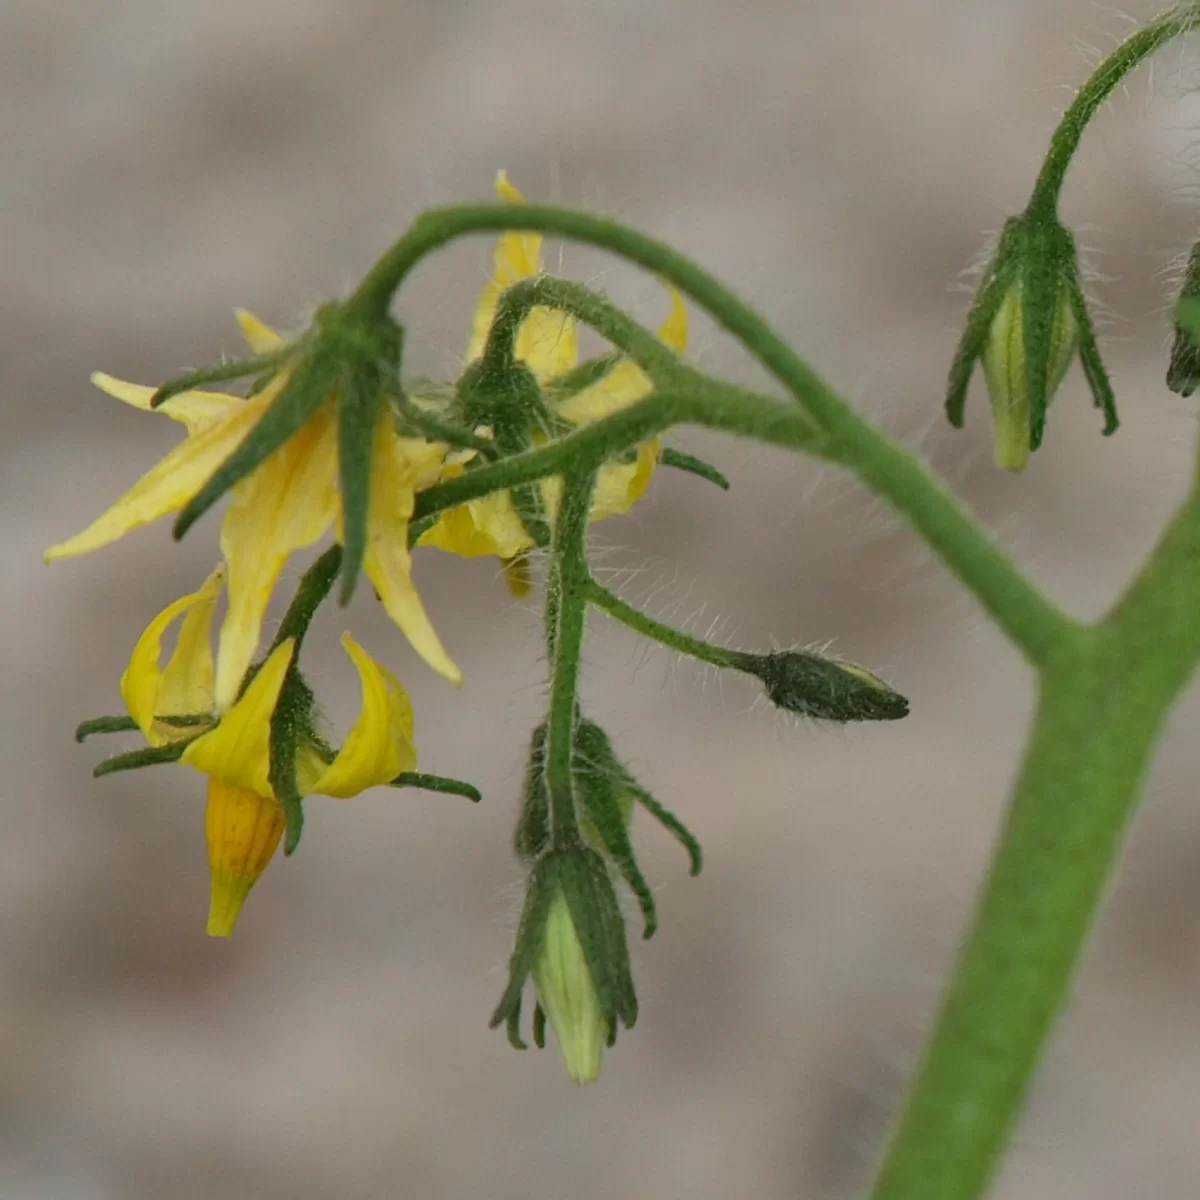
[[1180, 19], [673, 639], [1102, 707]]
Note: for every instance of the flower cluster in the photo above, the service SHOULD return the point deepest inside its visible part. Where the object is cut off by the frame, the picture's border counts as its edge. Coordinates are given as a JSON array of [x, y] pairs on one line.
[[328, 435]]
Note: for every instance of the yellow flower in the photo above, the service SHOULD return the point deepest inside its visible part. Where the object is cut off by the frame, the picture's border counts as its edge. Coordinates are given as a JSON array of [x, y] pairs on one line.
[[290, 501], [547, 344], [244, 819]]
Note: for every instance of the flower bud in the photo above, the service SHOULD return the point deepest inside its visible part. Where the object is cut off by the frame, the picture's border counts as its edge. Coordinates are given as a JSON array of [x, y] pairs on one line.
[[567, 995], [243, 830], [1183, 374], [826, 689], [1028, 320]]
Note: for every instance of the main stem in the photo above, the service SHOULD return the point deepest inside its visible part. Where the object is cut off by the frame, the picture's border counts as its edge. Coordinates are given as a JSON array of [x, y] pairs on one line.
[[1101, 709]]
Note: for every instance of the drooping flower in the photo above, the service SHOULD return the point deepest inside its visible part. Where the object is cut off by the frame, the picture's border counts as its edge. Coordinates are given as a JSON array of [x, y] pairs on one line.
[[547, 344], [174, 707], [286, 503]]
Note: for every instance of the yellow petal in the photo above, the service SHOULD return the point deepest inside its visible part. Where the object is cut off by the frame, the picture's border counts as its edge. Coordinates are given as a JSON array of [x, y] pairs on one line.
[[284, 505], [261, 338], [519, 576], [388, 562], [518, 256], [674, 330], [238, 750], [626, 383], [197, 411], [489, 525], [619, 486], [243, 831], [547, 343], [180, 689], [380, 746], [167, 487]]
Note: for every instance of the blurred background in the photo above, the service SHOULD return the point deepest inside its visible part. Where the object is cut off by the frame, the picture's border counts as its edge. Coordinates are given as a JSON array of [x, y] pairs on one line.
[[838, 164]]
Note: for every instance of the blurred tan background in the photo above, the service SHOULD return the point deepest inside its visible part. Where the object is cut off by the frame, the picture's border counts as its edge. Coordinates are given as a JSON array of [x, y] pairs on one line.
[[837, 163]]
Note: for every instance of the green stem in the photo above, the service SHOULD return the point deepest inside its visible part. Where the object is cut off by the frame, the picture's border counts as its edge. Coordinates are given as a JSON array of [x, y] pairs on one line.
[[569, 578], [1103, 704], [674, 639], [437, 783], [314, 587], [1178, 20]]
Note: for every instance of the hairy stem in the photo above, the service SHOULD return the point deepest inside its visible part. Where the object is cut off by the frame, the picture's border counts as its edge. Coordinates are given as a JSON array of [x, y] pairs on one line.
[[1177, 20], [674, 639], [567, 603], [1102, 707]]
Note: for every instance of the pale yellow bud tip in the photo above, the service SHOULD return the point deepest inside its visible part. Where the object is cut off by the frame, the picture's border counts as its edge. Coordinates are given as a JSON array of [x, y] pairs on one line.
[[228, 894], [568, 996], [243, 830]]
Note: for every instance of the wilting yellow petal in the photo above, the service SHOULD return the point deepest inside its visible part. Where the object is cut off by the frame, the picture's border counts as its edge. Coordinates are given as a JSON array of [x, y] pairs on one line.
[[518, 576], [547, 343], [626, 383], [284, 505], [489, 525], [380, 746], [261, 338], [395, 465], [187, 680], [197, 411], [167, 487], [243, 831], [149, 692], [238, 750], [619, 486], [518, 256]]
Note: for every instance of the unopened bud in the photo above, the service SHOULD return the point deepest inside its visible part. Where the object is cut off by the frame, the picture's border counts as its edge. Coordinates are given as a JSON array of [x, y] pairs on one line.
[[826, 689], [1028, 321]]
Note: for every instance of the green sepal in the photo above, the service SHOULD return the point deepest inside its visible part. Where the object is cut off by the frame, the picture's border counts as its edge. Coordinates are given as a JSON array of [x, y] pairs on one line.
[[539, 894], [310, 384], [436, 783], [310, 594], [693, 466], [584, 375], [587, 888], [358, 409], [669, 821], [826, 689], [606, 809], [1183, 372], [291, 721], [149, 756], [533, 828], [223, 373], [539, 1026], [993, 287], [1094, 369], [94, 725], [413, 421]]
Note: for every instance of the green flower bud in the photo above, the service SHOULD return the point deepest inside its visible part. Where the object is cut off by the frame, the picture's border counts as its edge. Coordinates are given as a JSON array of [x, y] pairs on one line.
[[568, 997], [1183, 374], [826, 689], [572, 941], [1028, 320]]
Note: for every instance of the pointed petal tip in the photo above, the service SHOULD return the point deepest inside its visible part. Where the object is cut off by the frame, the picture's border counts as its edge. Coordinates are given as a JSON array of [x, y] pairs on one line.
[[227, 897]]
